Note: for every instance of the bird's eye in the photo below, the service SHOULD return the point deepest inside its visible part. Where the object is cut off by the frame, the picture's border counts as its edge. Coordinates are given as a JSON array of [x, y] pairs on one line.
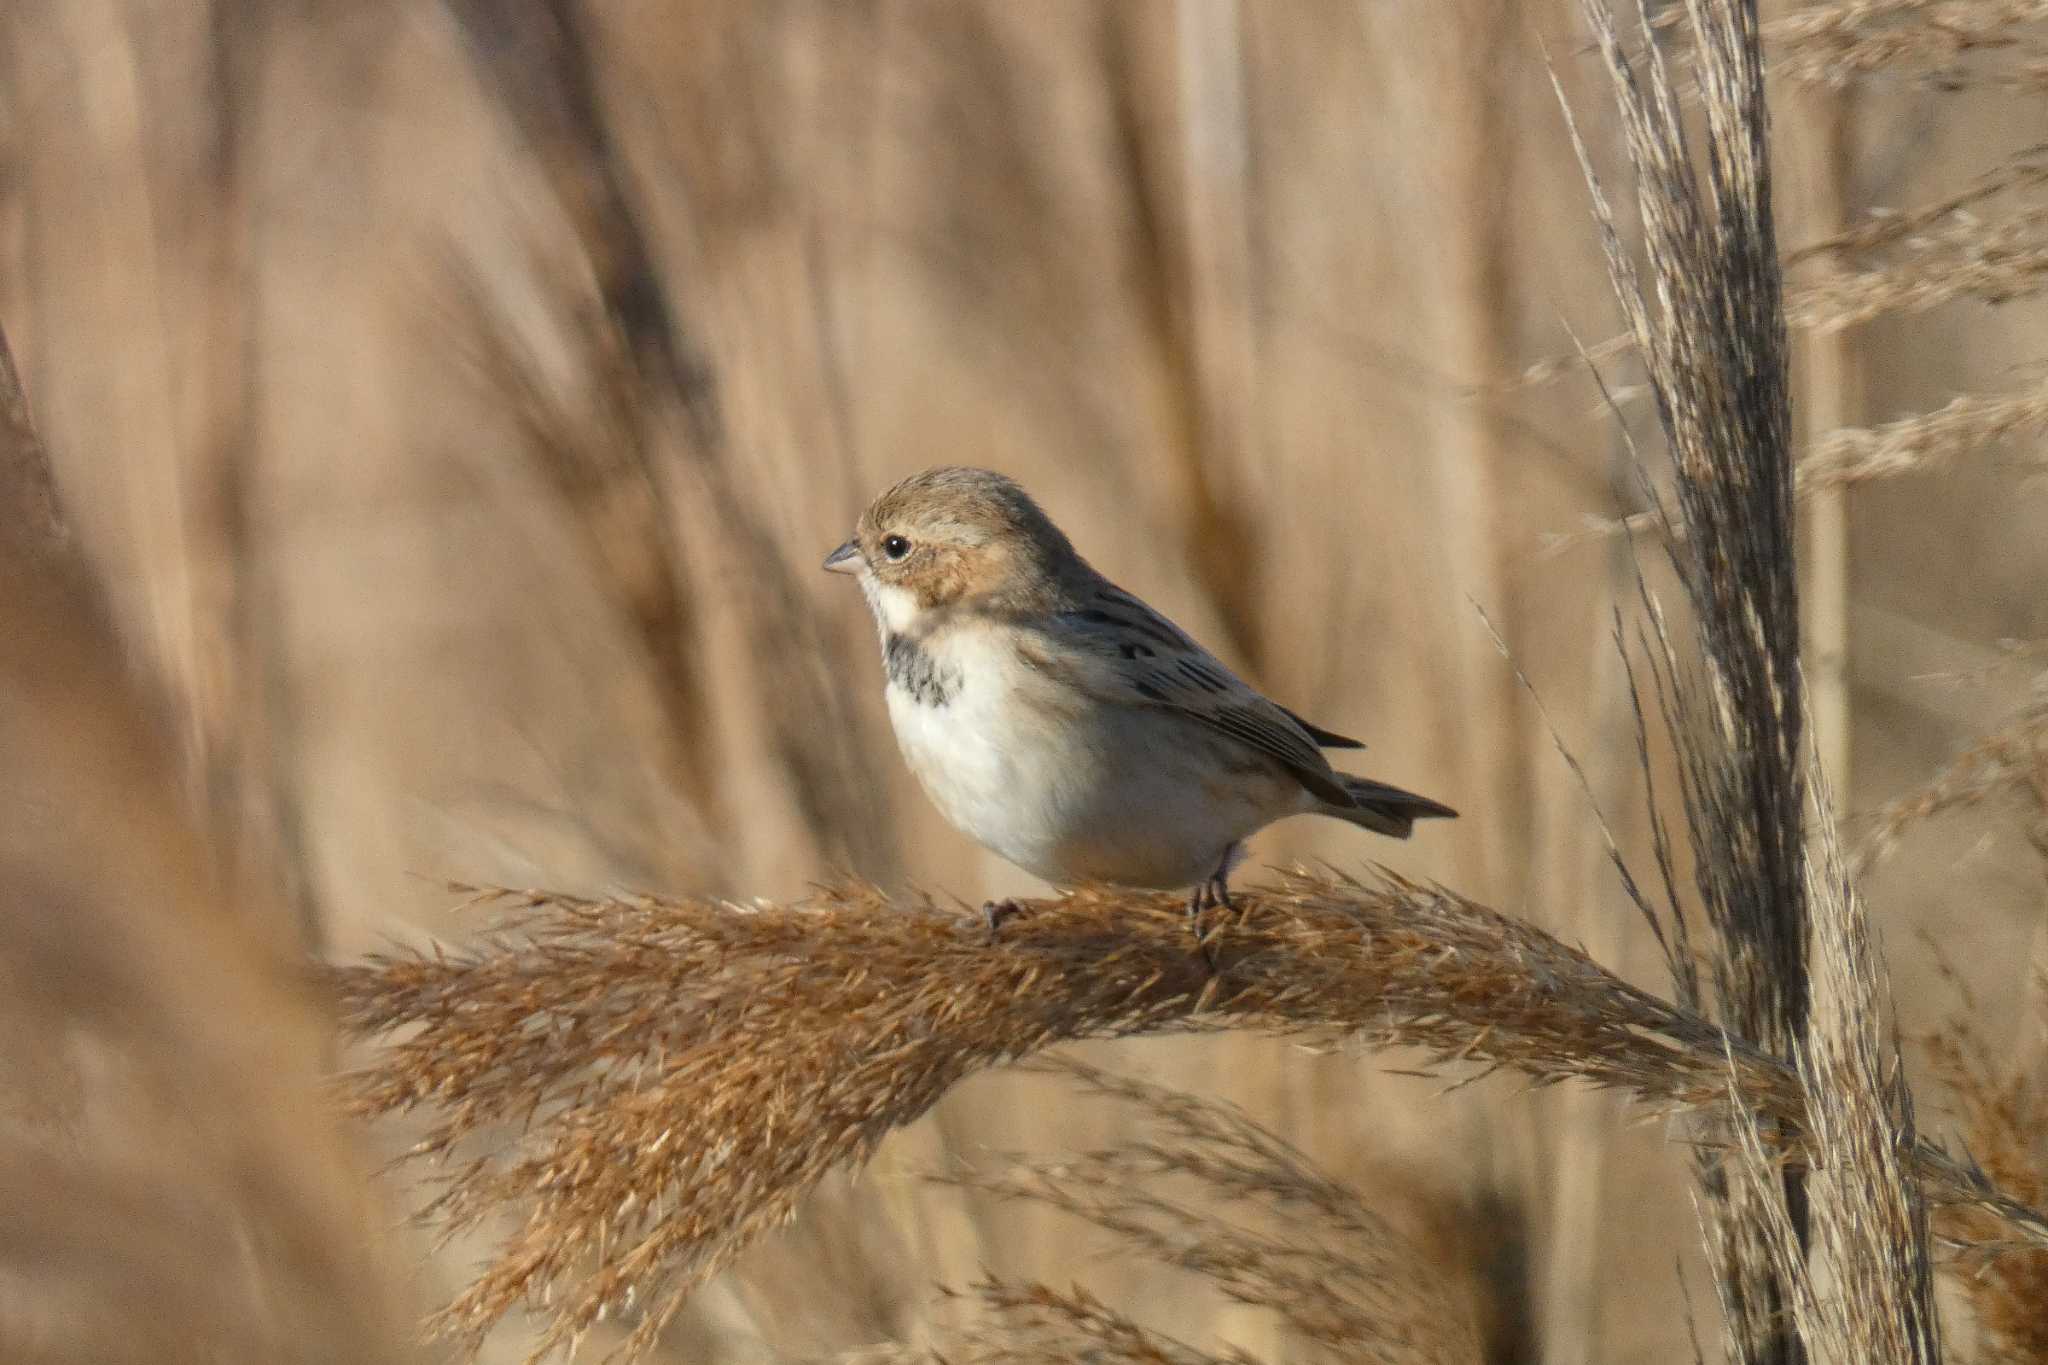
[[895, 547]]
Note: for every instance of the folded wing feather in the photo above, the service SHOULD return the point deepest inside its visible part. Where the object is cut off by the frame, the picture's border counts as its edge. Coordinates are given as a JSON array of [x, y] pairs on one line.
[[1122, 651]]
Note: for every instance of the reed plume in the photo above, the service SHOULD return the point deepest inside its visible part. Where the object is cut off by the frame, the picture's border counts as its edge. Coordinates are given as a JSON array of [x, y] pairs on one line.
[[1999, 1099], [659, 1081], [1706, 312], [2011, 762], [1198, 1185], [1869, 1214]]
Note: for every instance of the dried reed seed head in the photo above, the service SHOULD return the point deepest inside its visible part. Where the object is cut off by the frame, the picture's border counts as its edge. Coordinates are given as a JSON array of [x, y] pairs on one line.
[[2002, 1110], [1948, 44], [657, 1082], [2012, 762], [1263, 1225]]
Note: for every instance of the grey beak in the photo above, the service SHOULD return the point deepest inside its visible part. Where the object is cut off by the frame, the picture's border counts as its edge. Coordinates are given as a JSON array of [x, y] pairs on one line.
[[845, 559]]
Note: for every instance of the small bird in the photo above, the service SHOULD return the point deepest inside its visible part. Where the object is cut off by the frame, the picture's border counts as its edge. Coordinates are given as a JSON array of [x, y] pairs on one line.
[[1064, 724]]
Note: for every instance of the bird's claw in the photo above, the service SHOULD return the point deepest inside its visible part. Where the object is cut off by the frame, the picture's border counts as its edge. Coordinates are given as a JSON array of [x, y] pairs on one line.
[[1209, 895], [995, 912]]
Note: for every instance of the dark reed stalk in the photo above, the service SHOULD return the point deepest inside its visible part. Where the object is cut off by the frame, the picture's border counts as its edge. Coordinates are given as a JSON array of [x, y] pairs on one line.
[[1707, 315]]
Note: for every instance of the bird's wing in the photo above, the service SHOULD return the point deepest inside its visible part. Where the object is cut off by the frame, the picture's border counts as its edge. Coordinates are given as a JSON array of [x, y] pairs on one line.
[[1114, 647], [1328, 739]]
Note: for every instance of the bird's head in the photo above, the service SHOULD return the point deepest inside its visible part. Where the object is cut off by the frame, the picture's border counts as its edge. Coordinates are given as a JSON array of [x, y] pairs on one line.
[[950, 536]]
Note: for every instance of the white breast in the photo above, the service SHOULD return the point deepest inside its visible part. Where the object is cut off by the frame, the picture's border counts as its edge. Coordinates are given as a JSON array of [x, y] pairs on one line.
[[1068, 789], [984, 764]]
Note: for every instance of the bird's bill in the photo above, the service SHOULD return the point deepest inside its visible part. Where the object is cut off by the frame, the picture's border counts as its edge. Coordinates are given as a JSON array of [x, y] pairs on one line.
[[845, 559]]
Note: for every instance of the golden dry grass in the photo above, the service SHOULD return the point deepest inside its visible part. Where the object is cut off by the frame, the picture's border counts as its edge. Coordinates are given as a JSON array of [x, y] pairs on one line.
[[1707, 312], [2001, 1105], [502, 570], [656, 1141], [1274, 1233], [646, 1143]]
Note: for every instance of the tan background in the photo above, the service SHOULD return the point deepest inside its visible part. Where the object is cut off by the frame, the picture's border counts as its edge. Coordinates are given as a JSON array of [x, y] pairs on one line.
[[1217, 281]]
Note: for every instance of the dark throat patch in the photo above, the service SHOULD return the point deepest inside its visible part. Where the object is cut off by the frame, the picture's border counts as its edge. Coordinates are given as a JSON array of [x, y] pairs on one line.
[[912, 668]]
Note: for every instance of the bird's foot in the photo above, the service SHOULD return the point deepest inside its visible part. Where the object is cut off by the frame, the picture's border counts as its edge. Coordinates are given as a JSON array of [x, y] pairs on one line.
[[1208, 895], [995, 912]]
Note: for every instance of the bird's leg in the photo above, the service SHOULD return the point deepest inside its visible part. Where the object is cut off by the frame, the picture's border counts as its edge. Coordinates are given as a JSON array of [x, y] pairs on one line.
[[995, 912], [1212, 892], [1198, 901]]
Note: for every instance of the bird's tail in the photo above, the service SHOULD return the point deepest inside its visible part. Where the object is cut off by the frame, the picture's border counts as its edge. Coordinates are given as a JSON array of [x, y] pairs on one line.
[[1384, 809]]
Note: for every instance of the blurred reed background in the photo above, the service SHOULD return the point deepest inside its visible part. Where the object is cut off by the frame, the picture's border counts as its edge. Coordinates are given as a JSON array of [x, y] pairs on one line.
[[455, 400]]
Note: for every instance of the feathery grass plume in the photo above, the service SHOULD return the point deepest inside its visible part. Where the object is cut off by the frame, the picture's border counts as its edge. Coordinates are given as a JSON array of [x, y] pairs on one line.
[[2014, 761], [171, 1186], [1343, 1280], [2001, 1104], [1992, 262], [1939, 252], [657, 1139], [1869, 1214], [1948, 44], [1035, 1324], [1989, 262], [1904, 262], [1998, 1096], [657, 1082], [1710, 327], [1925, 441], [1884, 228], [1919, 444]]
